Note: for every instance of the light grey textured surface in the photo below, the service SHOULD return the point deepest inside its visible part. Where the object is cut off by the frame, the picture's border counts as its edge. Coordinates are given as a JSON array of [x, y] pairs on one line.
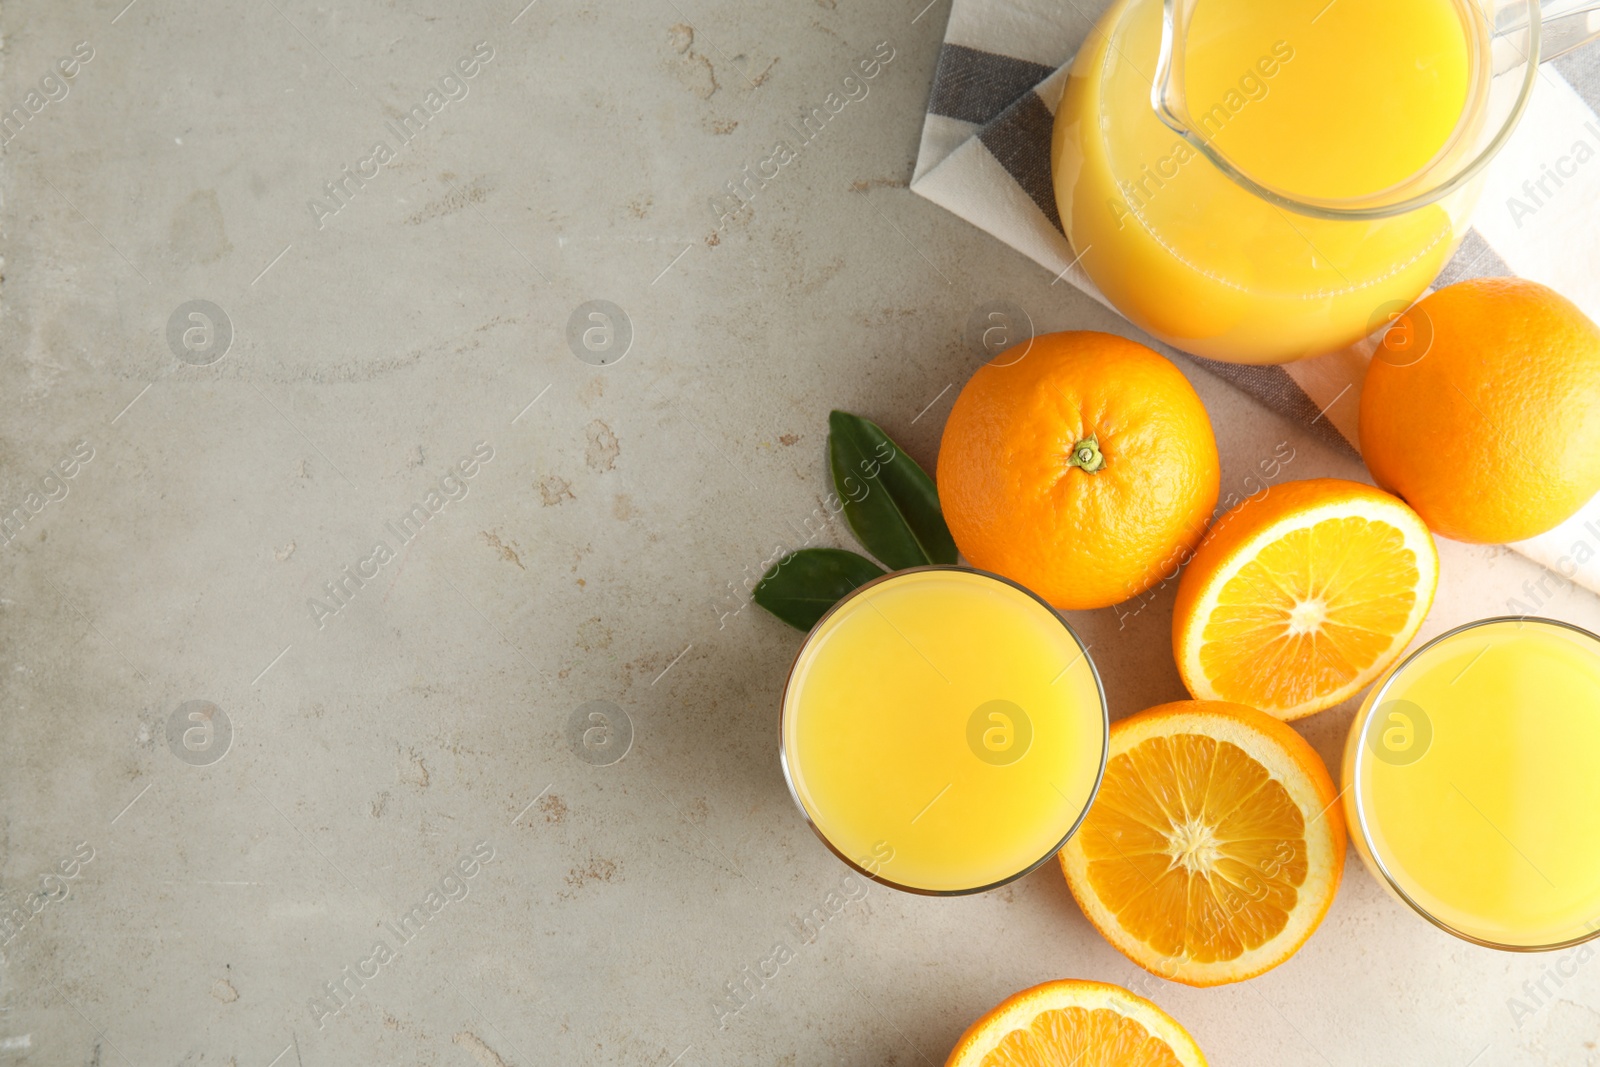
[[599, 555]]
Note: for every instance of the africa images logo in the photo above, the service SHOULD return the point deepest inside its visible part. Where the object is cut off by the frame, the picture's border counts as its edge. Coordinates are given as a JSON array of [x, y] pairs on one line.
[[742, 192], [337, 995], [451, 86], [54, 887], [52, 486], [342, 589], [1537, 192], [52, 89]]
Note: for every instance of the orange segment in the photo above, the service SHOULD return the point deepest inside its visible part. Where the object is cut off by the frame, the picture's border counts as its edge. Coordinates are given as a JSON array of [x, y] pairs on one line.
[[1300, 598], [1082, 1024], [1214, 847], [1089, 1037]]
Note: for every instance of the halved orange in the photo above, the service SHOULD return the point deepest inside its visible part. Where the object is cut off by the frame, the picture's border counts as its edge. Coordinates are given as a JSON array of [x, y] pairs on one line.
[[1082, 1024], [1214, 847], [1299, 598]]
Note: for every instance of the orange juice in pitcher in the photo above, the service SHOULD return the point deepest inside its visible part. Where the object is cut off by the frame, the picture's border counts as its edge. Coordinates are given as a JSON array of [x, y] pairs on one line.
[[1259, 182]]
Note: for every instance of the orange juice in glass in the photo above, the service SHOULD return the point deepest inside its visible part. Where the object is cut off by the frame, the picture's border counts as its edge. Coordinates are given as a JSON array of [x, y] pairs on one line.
[[943, 730], [1472, 782]]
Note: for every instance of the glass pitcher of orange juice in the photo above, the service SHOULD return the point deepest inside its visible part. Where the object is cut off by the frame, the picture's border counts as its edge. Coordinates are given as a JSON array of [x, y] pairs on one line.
[[1262, 180]]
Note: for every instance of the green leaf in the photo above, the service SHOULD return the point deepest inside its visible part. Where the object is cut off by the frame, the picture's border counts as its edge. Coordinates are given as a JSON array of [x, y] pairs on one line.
[[802, 586], [889, 501]]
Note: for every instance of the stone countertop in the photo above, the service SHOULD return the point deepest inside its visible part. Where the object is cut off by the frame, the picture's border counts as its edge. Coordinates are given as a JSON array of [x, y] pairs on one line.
[[394, 216]]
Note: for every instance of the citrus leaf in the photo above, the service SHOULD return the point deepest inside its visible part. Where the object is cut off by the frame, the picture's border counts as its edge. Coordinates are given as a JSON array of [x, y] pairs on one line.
[[890, 503], [802, 586]]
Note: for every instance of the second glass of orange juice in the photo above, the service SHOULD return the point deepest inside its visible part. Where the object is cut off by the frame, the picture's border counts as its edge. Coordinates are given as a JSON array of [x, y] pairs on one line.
[[943, 730], [1471, 786]]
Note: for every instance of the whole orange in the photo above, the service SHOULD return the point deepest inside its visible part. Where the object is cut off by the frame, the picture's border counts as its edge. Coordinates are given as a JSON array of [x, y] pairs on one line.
[[1491, 429], [1084, 469]]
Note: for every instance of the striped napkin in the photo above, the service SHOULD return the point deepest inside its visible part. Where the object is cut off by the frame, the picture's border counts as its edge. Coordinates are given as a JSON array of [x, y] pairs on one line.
[[985, 155]]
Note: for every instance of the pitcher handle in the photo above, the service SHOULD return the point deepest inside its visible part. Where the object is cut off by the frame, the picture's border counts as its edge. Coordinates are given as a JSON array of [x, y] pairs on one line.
[[1565, 25], [1561, 27]]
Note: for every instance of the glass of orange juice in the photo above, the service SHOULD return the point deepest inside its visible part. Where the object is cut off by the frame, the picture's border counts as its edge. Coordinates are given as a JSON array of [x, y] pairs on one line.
[[943, 730], [1472, 783]]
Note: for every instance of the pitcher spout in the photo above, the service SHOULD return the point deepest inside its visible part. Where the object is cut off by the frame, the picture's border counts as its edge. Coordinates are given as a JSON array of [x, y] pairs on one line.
[[1167, 94]]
